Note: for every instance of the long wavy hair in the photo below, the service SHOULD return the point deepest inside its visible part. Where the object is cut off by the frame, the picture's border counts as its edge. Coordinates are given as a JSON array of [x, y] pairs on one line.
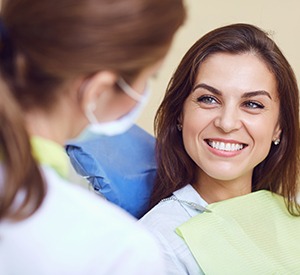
[[279, 172]]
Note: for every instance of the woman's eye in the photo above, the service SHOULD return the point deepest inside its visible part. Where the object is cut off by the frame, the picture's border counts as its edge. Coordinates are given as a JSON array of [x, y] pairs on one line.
[[207, 100], [254, 105]]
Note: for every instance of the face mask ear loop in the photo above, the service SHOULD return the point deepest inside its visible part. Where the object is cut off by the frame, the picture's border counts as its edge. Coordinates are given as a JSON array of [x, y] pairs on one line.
[[91, 107], [129, 91], [89, 113]]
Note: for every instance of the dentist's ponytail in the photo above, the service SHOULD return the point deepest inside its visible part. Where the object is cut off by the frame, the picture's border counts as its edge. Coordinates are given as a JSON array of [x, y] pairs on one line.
[[21, 185]]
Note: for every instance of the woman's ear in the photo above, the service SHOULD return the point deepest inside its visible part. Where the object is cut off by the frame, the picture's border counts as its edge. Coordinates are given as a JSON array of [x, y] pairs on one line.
[[96, 86], [277, 132], [179, 119], [179, 123]]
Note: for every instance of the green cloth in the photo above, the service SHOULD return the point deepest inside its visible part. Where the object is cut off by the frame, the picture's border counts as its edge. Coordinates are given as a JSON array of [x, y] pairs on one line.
[[50, 153], [250, 234]]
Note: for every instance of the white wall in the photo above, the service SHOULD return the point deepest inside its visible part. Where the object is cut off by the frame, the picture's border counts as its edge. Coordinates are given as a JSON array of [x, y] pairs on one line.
[[280, 18]]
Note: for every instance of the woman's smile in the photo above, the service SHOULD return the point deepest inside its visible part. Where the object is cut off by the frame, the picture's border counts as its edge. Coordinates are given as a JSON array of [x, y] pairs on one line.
[[225, 148]]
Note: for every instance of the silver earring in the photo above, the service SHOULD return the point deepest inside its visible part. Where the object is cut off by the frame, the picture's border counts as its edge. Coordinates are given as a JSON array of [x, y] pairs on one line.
[[179, 127], [276, 141]]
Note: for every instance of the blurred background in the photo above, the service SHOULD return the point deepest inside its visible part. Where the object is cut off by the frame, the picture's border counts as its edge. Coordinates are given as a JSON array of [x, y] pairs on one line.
[[279, 18]]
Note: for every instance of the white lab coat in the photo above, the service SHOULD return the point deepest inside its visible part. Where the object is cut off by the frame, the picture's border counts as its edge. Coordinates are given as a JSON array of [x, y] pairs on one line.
[[76, 232]]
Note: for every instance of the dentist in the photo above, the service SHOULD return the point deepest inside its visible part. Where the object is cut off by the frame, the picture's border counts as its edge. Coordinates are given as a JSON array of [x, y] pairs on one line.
[[66, 65]]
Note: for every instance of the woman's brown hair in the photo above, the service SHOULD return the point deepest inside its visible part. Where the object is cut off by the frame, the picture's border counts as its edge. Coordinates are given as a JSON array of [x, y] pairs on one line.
[[19, 170], [44, 44], [280, 171], [55, 41]]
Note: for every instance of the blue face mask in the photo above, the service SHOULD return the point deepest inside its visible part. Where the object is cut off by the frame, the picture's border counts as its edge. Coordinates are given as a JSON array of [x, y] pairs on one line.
[[122, 124]]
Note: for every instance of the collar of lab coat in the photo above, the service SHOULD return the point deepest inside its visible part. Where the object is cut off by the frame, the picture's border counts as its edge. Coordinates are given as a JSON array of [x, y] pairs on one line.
[[51, 154]]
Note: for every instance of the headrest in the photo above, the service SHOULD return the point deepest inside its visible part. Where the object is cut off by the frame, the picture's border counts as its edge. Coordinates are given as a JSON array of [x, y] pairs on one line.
[[122, 168]]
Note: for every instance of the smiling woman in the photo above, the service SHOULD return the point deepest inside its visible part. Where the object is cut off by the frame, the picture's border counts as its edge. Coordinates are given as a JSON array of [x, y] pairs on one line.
[[228, 143]]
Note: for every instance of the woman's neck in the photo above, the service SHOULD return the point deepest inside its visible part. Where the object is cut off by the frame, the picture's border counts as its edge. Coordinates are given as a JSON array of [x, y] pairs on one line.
[[61, 122], [213, 190], [46, 126]]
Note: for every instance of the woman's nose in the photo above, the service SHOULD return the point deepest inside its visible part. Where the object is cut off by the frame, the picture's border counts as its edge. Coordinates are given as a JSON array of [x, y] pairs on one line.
[[228, 119]]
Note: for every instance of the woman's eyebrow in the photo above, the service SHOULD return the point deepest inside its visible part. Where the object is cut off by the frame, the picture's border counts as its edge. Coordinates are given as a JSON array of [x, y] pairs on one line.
[[218, 92], [207, 87], [256, 93]]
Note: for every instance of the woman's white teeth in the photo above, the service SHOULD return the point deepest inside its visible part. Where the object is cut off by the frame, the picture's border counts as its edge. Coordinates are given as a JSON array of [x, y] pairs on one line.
[[225, 146]]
